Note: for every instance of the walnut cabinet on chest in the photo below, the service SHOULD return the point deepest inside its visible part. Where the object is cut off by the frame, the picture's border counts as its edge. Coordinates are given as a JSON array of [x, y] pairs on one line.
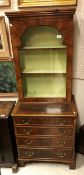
[[45, 114]]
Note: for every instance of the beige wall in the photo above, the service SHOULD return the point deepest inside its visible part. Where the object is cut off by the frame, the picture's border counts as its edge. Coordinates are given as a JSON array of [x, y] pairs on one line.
[[78, 61], [78, 91]]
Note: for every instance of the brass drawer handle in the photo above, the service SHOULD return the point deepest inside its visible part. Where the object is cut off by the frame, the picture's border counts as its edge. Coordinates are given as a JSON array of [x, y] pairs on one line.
[[62, 130], [29, 154], [26, 122], [62, 122], [27, 132], [61, 155], [28, 142], [61, 143]]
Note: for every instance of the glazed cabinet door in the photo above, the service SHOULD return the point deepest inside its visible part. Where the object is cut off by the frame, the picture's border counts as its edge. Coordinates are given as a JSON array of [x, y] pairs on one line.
[[44, 59]]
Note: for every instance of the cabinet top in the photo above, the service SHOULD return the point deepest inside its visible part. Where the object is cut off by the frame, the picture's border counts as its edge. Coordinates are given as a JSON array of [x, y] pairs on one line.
[[45, 109], [6, 108]]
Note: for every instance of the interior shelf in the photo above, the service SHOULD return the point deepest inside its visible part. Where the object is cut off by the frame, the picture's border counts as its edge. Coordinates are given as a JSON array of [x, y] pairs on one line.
[[45, 72], [44, 47]]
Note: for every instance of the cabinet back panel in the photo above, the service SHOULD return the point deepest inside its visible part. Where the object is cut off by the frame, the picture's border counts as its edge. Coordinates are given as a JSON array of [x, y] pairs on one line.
[[43, 61], [44, 86]]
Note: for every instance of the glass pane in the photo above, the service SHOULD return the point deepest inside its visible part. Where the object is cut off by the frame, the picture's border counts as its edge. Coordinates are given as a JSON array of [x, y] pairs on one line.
[[43, 60], [42, 37], [44, 85]]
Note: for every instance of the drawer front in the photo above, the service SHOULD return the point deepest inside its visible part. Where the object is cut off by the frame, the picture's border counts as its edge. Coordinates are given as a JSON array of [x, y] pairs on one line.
[[45, 142], [42, 131], [45, 120], [45, 153]]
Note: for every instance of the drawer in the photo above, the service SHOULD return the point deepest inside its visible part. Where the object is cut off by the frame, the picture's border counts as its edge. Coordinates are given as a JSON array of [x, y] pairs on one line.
[[45, 142], [43, 120], [48, 153], [44, 131]]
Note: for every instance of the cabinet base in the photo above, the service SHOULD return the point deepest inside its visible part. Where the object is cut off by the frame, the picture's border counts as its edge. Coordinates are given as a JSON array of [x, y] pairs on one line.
[[72, 164]]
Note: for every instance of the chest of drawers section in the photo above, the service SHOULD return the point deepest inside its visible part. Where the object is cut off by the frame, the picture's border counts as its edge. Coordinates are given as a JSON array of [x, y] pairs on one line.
[[44, 137]]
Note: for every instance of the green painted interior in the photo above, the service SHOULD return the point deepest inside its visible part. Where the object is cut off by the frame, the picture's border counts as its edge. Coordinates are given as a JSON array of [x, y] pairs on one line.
[[44, 86], [43, 52], [43, 61], [42, 36]]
